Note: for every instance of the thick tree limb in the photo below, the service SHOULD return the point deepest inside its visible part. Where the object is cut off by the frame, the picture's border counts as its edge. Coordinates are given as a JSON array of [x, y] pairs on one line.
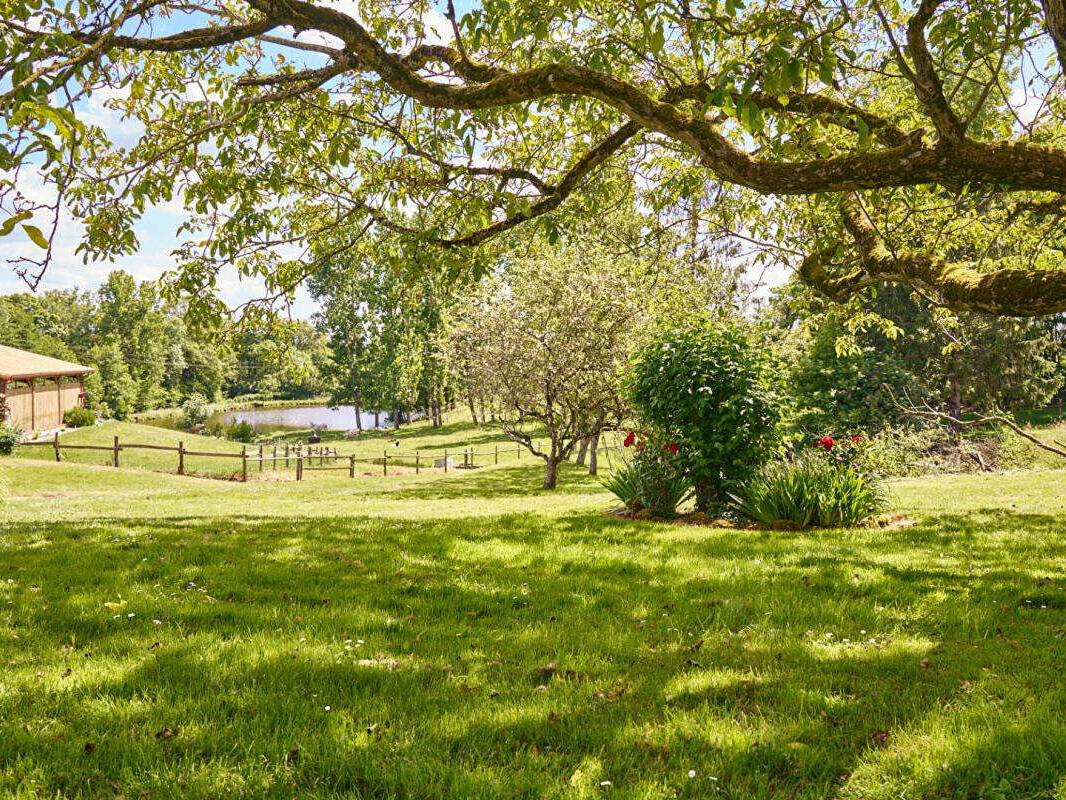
[[1012, 165], [1011, 292], [195, 39], [951, 159], [927, 84], [1055, 22]]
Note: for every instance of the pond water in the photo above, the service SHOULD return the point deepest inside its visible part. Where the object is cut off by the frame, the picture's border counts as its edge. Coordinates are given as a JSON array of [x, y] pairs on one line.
[[268, 420], [275, 419]]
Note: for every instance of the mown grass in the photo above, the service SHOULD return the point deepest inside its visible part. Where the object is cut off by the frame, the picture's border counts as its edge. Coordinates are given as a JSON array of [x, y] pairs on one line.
[[471, 635]]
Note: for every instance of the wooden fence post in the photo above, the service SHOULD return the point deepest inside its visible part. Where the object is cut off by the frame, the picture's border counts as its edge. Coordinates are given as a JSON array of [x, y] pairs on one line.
[[300, 467], [445, 460], [496, 456], [181, 458], [416, 462], [286, 455], [260, 458], [56, 443], [244, 464], [115, 460], [384, 462], [351, 465], [275, 458]]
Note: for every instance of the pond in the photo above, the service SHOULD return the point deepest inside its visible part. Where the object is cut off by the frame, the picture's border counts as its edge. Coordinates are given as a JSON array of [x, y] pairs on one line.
[[301, 417], [268, 420]]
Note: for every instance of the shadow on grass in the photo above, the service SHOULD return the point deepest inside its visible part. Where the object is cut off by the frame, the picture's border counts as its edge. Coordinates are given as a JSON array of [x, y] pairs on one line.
[[532, 656]]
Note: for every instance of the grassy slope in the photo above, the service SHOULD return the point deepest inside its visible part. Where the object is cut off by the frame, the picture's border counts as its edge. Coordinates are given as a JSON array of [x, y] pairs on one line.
[[428, 612], [130, 432], [452, 438]]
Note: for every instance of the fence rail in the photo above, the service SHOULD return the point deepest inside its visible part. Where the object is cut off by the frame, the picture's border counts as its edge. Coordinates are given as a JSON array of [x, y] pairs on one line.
[[302, 458]]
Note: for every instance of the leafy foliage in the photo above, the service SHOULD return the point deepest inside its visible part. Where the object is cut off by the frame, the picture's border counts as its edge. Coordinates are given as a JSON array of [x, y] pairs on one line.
[[517, 108], [10, 436], [707, 384], [546, 346], [385, 310], [240, 432], [659, 476], [624, 483], [79, 417], [812, 491], [842, 361], [194, 412]]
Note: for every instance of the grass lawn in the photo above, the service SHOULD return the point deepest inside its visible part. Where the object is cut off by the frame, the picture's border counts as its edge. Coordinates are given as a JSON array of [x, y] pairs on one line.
[[471, 635]]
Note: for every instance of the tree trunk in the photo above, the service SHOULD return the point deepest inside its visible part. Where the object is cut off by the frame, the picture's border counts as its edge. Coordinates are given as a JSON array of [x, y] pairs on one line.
[[358, 416], [706, 496], [594, 447], [551, 472], [582, 451], [473, 408], [377, 419]]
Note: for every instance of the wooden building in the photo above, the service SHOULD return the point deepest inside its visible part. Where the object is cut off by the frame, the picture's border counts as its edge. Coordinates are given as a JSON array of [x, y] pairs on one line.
[[36, 391]]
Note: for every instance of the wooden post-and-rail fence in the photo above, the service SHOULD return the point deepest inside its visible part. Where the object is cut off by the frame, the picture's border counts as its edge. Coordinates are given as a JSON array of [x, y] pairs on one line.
[[302, 457]]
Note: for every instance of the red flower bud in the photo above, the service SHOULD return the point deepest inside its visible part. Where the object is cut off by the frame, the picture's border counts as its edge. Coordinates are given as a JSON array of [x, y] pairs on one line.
[[630, 438], [826, 442], [673, 448]]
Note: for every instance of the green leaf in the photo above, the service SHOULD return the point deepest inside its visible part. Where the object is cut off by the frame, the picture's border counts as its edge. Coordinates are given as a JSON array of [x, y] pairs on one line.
[[36, 236], [657, 40], [9, 224]]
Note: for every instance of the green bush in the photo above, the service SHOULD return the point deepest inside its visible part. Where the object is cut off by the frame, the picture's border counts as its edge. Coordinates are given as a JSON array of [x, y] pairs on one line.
[[79, 417], [662, 482], [707, 384], [814, 491], [240, 432], [194, 412], [10, 436]]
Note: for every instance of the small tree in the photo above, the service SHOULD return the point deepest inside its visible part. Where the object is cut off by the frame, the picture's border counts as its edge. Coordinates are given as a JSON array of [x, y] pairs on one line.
[[707, 385], [547, 346]]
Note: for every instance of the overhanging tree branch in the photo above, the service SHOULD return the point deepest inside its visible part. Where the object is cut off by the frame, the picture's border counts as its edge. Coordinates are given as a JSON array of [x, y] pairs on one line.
[[1008, 291]]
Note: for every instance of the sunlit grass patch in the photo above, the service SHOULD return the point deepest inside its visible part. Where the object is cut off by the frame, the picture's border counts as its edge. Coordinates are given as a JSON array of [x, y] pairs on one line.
[[471, 639]]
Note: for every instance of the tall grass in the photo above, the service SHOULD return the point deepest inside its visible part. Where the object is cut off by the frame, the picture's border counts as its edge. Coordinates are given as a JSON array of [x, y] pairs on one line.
[[811, 492]]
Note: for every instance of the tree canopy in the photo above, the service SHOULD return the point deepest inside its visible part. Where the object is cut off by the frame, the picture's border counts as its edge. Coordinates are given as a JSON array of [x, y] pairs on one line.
[[862, 142]]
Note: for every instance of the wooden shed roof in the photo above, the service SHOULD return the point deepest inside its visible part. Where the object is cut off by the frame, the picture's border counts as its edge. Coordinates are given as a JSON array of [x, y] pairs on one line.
[[20, 365]]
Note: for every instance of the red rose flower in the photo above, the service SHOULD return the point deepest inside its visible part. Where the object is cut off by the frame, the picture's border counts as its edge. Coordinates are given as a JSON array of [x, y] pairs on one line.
[[630, 438], [673, 448], [826, 442], [856, 439]]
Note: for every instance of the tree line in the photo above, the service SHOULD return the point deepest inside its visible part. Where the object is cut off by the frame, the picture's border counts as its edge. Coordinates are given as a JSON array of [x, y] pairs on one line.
[[147, 355]]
